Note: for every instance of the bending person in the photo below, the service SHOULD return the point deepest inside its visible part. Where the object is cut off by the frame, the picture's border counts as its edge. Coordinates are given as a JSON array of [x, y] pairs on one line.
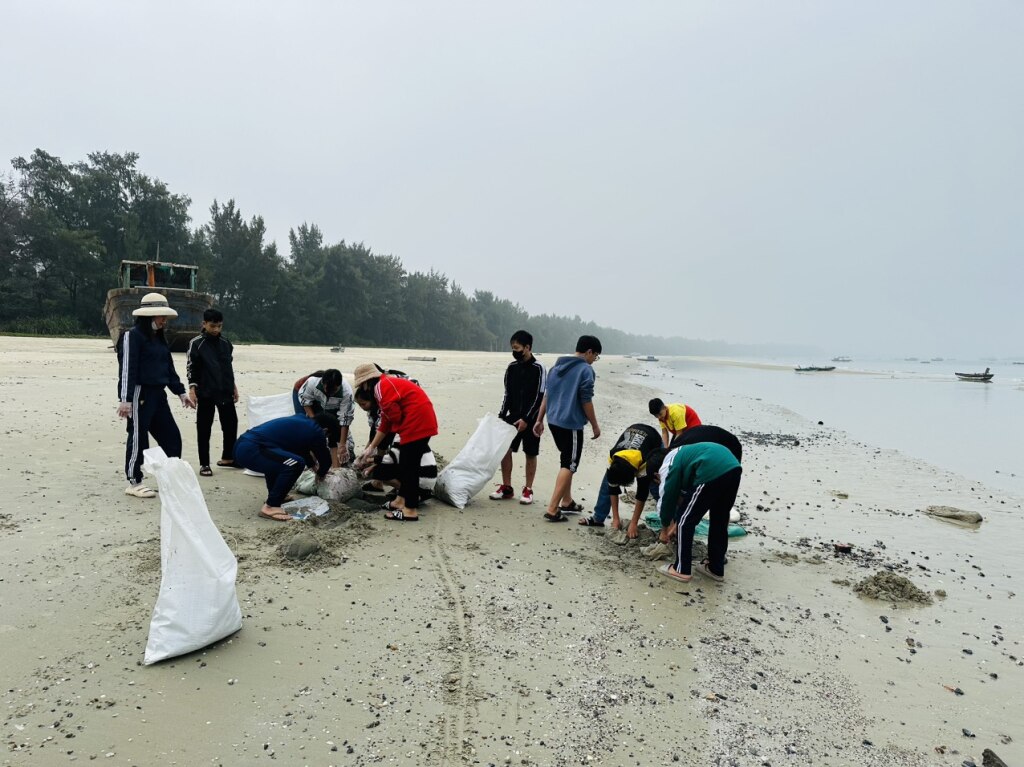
[[627, 460], [280, 449], [405, 410], [325, 391]]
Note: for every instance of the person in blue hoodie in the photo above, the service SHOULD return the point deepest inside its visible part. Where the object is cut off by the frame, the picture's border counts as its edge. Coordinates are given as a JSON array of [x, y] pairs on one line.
[[568, 405]]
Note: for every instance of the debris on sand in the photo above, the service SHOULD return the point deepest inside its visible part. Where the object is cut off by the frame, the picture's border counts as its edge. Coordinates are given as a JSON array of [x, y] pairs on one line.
[[300, 546], [953, 514], [989, 759], [891, 588]]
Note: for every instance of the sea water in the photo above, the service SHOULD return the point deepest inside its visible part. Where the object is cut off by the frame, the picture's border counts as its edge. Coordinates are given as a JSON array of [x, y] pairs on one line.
[[921, 410]]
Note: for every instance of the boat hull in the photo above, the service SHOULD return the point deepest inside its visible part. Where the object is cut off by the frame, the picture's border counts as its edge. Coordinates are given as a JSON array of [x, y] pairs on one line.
[[190, 305], [979, 377]]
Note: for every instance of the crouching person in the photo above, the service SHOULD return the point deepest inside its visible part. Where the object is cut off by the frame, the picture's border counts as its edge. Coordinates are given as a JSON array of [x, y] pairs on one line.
[[627, 460], [280, 449], [702, 478]]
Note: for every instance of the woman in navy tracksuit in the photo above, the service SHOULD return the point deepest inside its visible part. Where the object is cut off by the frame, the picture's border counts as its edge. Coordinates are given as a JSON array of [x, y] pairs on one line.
[[146, 369]]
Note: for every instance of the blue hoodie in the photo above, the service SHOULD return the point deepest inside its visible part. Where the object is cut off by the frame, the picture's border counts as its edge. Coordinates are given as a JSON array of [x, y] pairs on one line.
[[570, 387]]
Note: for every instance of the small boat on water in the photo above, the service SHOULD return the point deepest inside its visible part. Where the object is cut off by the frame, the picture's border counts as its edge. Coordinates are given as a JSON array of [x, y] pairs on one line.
[[814, 368], [842, 359], [648, 358], [337, 349], [176, 281], [981, 377]]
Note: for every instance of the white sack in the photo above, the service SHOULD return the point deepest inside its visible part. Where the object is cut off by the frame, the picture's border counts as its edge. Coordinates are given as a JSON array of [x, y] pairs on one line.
[[476, 463], [263, 409], [197, 604], [306, 483], [339, 485]]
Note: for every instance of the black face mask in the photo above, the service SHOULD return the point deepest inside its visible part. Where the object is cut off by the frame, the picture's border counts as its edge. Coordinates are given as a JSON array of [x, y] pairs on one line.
[[519, 356]]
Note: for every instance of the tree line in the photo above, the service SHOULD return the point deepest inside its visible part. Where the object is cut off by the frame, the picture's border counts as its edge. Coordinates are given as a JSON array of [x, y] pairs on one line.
[[65, 228]]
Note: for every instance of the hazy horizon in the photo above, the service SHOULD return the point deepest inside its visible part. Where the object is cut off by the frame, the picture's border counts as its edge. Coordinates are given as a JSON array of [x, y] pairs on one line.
[[848, 177]]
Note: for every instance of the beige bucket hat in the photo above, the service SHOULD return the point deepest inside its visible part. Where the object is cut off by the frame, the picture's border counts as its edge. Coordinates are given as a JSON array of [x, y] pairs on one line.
[[154, 305], [364, 373]]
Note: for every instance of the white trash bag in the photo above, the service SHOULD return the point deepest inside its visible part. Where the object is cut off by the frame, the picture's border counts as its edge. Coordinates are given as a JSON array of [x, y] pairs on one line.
[[306, 483], [339, 485], [197, 605], [263, 409], [476, 463]]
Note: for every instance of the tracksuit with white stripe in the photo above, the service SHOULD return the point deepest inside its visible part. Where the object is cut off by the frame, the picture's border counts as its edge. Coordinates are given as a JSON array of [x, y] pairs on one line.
[[280, 449], [706, 476], [146, 369]]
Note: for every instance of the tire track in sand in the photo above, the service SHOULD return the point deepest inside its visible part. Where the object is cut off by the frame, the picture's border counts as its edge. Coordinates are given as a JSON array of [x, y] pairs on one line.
[[456, 692]]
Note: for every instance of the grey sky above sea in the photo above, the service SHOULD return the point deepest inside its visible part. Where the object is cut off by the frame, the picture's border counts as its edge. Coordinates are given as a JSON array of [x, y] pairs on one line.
[[848, 175]]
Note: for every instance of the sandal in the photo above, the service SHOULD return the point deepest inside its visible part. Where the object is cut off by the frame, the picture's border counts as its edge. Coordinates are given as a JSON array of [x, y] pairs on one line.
[[590, 522], [572, 507], [398, 516], [226, 463], [668, 572], [704, 569], [206, 471], [140, 491], [277, 516], [559, 517]]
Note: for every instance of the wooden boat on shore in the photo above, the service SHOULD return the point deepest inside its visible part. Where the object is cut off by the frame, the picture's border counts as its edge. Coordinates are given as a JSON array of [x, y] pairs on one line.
[[176, 281], [648, 358], [980, 377], [815, 368]]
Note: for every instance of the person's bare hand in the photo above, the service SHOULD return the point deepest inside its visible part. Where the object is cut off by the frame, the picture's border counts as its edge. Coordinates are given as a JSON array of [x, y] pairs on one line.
[[597, 431], [520, 424], [538, 428], [186, 401], [632, 532], [192, 394], [124, 409]]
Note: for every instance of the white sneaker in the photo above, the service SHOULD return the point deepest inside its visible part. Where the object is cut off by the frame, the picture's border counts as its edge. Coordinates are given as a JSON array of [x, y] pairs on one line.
[[140, 491], [503, 493], [527, 497]]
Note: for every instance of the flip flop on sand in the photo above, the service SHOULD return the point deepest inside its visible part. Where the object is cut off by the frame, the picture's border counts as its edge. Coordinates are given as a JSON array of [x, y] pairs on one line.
[[572, 508], [668, 572], [399, 516], [704, 570], [559, 517], [277, 516], [590, 522], [205, 471]]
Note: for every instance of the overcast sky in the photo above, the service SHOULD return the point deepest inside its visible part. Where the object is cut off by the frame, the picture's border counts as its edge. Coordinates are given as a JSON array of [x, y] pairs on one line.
[[843, 174]]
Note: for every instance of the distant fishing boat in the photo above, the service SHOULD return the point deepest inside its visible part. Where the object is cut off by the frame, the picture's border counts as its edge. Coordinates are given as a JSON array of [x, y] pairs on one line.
[[814, 368], [981, 377], [648, 358], [337, 348], [176, 281], [842, 359]]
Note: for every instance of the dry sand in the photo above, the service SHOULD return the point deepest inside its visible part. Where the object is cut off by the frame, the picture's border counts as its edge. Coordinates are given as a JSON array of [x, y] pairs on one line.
[[488, 636]]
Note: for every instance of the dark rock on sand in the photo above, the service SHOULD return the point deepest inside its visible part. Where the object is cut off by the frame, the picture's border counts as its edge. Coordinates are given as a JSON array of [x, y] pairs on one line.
[[300, 546], [953, 514], [989, 759], [891, 588]]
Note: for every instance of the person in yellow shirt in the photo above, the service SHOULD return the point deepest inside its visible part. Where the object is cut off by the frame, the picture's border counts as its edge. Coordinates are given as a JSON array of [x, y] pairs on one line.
[[674, 419]]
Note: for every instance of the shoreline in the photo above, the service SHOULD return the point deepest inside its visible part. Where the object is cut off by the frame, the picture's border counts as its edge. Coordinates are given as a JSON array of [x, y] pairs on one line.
[[488, 634]]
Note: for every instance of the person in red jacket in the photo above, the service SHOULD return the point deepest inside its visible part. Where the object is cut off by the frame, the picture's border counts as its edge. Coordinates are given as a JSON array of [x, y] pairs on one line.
[[405, 410]]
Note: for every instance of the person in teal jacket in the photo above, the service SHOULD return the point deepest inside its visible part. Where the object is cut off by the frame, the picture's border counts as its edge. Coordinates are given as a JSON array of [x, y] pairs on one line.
[[706, 477]]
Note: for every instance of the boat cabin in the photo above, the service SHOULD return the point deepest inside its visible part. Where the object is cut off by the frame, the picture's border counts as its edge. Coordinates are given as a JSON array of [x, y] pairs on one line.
[[157, 274]]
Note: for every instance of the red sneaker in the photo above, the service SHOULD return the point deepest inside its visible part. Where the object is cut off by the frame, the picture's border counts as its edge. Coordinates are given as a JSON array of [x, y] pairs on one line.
[[527, 497], [503, 493]]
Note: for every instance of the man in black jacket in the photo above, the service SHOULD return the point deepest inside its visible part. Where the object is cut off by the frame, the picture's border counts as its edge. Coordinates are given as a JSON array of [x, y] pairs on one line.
[[211, 386], [525, 380]]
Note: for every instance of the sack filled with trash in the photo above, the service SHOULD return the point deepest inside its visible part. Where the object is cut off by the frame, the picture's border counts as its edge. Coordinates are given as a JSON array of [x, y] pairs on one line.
[[339, 485], [476, 463]]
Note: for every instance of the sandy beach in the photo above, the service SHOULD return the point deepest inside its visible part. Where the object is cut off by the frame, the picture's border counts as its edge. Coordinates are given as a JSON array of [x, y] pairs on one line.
[[487, 636]]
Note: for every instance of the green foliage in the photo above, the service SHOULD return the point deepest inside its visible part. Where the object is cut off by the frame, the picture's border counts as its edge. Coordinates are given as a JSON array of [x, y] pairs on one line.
[[65, 228]]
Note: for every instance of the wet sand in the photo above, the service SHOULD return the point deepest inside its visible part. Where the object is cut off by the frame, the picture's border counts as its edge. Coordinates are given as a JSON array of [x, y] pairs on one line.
[[487, 636]]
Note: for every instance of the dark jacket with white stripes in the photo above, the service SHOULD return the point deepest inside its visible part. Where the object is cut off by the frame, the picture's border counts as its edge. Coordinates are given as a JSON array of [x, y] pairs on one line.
[[145, 361], [294, 434], [208, 367], [524, 389]]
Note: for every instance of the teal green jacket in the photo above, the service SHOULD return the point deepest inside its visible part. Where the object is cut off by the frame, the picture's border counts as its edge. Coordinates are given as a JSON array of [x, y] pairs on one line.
[[693, 465]]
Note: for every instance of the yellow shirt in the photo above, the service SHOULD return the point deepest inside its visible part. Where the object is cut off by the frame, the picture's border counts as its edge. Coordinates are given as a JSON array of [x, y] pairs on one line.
[[675, 420]]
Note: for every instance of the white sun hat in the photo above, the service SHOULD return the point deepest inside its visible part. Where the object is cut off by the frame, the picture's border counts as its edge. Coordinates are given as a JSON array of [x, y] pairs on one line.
[[154, 305]]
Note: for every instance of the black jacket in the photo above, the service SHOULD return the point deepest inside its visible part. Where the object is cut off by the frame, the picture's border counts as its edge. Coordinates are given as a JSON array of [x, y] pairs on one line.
[[525, 383], [209, 367], [144, 361]]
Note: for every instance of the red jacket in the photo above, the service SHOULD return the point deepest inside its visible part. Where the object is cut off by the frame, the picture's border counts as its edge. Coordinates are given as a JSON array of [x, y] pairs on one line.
[[405, 409]]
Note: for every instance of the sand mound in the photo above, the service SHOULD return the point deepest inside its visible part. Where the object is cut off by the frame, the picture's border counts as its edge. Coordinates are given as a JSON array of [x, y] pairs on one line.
[[891, 588]]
